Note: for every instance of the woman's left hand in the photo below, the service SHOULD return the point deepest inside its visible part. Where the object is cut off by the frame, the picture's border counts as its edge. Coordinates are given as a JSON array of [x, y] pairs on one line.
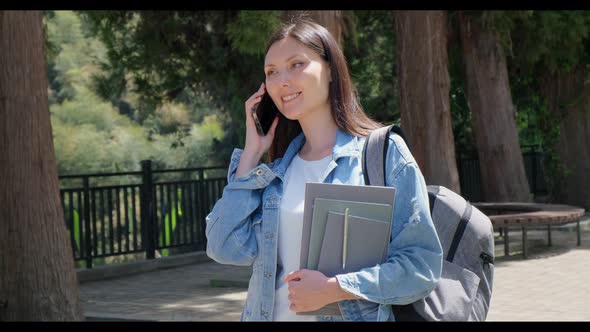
[[311, 290]]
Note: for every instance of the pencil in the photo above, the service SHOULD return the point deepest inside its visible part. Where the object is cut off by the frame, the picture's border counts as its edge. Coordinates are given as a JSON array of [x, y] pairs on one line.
[[345, 241]]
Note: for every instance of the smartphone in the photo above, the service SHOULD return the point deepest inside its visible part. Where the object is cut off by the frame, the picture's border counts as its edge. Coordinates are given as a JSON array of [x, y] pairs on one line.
[[264, 113]]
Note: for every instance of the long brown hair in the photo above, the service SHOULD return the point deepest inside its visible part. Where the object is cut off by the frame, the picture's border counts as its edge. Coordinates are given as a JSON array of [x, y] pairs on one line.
[[344, 103]]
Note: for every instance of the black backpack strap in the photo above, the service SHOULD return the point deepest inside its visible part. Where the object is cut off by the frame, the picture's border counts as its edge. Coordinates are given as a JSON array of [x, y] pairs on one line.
[[406, 313], [398, 130], [459, 232], [364, 160], [432, 193]]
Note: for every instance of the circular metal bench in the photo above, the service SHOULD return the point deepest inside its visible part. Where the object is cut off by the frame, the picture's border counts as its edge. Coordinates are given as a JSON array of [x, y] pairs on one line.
[[525, 215]]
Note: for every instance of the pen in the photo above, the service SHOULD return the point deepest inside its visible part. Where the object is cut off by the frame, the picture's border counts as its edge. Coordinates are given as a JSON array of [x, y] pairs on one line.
[[345, 242]]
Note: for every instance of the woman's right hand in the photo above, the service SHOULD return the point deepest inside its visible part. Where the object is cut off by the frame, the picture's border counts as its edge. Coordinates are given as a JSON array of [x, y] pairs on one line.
[[257, 145]]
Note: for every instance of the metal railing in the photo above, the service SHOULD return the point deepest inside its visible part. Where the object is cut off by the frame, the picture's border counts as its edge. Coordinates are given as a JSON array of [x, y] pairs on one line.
[[147, 213], [470, 173]]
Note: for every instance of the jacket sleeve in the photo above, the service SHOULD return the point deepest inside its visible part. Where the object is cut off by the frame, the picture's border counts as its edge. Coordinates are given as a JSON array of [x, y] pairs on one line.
[[230, 225], [414, 262]]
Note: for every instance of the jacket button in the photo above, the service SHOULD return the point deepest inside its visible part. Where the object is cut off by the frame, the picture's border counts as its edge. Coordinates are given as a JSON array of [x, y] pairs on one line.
[[268, 275], [259, 172], [268, 236]]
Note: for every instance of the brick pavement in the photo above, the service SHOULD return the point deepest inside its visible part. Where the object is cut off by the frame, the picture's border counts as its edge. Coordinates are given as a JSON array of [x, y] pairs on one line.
[[551, 285]]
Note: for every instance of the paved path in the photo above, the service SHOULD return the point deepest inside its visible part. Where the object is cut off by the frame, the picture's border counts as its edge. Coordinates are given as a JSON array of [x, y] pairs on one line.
[[553, 284]]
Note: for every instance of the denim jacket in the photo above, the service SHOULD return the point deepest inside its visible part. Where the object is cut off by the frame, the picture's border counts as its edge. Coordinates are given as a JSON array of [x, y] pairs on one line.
[[242, 229]]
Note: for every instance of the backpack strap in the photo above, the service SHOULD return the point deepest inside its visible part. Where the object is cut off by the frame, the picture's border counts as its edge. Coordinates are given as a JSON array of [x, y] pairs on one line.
[[432, 193], [375, 151], [459, 232]]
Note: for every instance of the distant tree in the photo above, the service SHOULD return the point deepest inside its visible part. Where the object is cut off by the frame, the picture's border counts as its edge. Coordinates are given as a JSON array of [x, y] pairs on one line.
[[493, 115], [37, 277], [424, 93]]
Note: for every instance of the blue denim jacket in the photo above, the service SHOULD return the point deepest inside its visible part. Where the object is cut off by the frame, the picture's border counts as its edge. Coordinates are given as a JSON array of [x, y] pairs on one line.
[[242, 229]]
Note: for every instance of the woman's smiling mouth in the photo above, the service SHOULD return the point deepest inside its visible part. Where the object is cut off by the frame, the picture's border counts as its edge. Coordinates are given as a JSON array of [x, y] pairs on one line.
[[288, 98]]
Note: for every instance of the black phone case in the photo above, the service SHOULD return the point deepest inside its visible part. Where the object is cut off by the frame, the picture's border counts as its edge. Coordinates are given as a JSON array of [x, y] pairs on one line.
[[264, 114]]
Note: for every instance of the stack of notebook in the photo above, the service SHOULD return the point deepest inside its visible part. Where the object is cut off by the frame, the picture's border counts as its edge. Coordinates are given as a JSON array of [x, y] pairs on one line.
[[345, 228]]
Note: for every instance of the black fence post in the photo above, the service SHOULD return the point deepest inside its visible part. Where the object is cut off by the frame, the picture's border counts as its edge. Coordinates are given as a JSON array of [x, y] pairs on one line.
[[88, 239], [147, 210], [202, 208], [459, 162], [534, 171]]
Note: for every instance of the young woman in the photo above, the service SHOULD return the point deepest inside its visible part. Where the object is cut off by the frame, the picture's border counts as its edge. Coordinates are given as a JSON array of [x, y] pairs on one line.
[[317, 136]]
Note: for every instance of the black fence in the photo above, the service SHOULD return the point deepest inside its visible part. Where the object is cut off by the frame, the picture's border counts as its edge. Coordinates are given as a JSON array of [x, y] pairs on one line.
[[160, 210], [150, 212], [470, 173]]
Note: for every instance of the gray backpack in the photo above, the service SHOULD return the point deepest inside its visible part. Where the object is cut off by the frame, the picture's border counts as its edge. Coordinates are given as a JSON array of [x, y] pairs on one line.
[[467, 238]]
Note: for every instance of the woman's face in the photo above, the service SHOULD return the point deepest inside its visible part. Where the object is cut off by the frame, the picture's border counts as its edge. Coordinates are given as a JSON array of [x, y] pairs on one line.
[[297, 79]]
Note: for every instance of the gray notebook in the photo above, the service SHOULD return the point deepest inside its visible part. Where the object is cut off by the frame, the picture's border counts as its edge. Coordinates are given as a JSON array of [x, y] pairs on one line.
[[351, 193], [313, 190], [321, 208], [360, 252]]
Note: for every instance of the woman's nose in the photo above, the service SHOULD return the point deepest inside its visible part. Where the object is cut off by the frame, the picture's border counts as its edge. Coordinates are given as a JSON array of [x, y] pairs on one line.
[[284, 79]]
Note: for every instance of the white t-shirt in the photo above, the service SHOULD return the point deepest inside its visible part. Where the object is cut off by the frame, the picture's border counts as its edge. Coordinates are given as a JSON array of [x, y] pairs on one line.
[[297, 175]]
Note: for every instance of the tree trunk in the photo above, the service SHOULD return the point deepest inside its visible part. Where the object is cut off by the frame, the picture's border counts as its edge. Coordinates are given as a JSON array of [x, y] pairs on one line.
[[569, 99], [330, 19], [424, 94], [488, 94], [37, 275]]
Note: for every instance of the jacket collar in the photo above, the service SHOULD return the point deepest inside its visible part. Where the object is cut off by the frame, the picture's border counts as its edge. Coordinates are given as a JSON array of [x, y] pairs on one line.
[[346, 145]]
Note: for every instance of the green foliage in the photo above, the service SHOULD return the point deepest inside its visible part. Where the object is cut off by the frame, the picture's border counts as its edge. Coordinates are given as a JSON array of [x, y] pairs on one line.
[[529, 106], [251, 30], [551, 41], [501, 23], [64, 28], [546, 43], [76, 226], [87, 108], [73, 60], [170, 222], [461, 118], [192, 149], [96, 135], [371, 55], [174, 54]]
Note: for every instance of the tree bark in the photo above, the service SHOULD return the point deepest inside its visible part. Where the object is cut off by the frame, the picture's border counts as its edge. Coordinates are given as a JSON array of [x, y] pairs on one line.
[[37, 276], [424, 86], [570, 100], [332, 20], [488, 94]]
